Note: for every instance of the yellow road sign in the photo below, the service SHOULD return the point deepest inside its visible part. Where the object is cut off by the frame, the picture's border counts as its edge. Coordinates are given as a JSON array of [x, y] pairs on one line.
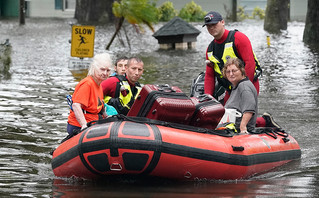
[[82, 43]]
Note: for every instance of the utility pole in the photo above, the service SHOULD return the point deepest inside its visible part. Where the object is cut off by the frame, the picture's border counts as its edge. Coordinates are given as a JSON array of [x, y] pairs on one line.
[[22, 13]]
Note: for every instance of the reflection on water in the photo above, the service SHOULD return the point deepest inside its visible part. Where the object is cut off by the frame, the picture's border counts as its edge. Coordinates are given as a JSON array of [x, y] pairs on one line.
[[288, 185], [33, 109], [79, 74], [5, 59]]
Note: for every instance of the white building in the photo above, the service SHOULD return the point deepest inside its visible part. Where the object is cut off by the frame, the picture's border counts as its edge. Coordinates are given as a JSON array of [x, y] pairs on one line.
[[50, 8]]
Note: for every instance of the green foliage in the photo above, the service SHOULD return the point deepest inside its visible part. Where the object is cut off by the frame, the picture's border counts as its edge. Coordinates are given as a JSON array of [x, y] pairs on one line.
[[136, 11], [166, 11], [241, 15], [258, 13], [192, 12]]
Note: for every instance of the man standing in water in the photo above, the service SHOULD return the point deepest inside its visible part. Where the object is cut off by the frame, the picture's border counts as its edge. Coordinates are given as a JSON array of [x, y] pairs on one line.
[[226, 44], [229, 44]]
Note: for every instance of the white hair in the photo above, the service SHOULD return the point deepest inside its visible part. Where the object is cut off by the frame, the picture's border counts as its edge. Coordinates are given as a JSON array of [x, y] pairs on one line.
[[100, 60]]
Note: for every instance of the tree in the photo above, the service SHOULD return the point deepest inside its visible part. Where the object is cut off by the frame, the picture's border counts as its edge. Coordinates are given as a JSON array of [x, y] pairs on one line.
[[234, 10], [311, 31], [22, 12], [135, 12], [276, 18], [93, 10]]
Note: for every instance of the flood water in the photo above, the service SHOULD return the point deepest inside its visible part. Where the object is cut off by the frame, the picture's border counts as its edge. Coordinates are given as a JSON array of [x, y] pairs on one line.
[[33, 109]]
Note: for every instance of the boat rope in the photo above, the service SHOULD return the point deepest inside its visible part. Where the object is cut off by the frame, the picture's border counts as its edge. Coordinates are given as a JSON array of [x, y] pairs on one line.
[[143, 120], [272, 132]]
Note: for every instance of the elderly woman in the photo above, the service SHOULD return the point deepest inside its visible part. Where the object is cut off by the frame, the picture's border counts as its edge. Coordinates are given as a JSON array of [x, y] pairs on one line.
[[88, 95], [243, 96]]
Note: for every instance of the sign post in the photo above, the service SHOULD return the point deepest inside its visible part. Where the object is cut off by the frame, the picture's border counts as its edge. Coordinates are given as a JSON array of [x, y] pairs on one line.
[[82, 43]]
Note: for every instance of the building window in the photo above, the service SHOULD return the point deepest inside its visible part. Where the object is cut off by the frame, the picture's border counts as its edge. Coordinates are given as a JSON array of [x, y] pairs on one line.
[[59, 4], [65, 4]]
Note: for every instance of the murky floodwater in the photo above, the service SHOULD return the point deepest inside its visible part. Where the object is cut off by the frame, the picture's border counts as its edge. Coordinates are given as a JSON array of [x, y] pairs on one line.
[[33, 109]]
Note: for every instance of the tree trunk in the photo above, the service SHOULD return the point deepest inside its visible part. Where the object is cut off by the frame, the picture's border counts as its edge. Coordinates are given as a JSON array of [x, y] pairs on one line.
[[118, 28], [311, 31], [276, 18], [94, 11], [234, 11], [22, 13]]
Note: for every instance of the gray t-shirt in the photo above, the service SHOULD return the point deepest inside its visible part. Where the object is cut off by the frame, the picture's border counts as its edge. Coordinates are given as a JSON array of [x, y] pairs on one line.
[[244, 99]]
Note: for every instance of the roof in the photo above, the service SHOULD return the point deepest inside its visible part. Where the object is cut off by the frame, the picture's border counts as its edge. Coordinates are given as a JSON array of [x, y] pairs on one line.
[[176, 26]]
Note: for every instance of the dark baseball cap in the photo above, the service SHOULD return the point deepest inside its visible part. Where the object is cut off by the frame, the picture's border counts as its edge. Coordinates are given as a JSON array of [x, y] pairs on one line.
[[212, 18]]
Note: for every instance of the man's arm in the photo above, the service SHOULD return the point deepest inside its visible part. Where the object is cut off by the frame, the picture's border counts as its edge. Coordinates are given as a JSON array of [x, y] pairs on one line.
[[209, 83], [109, 86], [245, 51]]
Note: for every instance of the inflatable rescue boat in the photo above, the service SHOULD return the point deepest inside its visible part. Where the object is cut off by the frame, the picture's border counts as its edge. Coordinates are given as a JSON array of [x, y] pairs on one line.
[[143, 147]]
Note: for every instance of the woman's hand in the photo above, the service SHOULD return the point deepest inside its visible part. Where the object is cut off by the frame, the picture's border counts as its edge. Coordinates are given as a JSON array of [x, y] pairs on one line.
[[78, 112], [84, 126], [244, 131], [209, 63], [244, 121]]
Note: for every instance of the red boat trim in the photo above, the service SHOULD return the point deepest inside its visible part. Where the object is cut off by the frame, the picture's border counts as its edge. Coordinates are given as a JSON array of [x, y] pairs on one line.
[[174, 149]]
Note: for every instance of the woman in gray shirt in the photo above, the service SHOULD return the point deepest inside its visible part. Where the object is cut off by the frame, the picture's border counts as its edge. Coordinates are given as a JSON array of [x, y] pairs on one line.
[[243, 95]]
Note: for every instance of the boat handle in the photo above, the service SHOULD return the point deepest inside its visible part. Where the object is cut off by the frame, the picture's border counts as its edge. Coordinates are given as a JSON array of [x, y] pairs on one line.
[[188, 175], [238, 148], [116, 167]]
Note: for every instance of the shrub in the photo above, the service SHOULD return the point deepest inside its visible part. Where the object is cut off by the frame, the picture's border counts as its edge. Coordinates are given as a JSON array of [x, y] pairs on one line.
[[192, 12], [258, 12], [166, 11], [241, 13]]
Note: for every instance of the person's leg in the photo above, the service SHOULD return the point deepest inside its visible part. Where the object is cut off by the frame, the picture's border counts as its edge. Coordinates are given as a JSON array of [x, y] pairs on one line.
[[266, 120], [260, 122], [72, 130]]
